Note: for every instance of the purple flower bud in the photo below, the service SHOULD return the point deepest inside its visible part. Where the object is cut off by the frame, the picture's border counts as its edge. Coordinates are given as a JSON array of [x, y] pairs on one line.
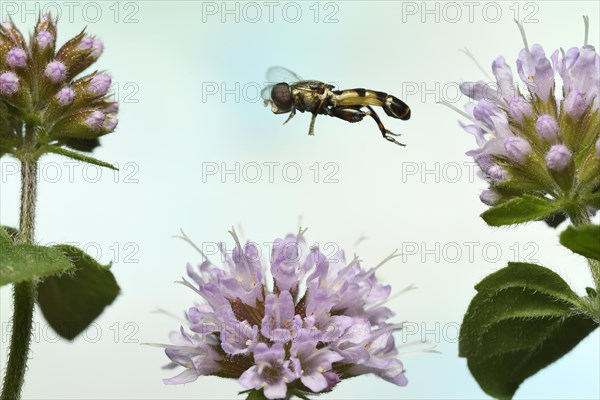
[[598, 147], [85, 43], [558, 158], [16, 58], [56, 71], [519, 108], [99, 85], [497, 173], [9, 83], [489, 197], [547, 127], [97, 48], [484, 160], [110, 122], [95, 119], [517, 148], [575, 104], [43, 39], [65, 96]]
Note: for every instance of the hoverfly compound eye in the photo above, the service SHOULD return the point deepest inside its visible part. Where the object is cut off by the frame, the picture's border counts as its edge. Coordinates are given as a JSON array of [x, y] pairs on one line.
[[282, 96]]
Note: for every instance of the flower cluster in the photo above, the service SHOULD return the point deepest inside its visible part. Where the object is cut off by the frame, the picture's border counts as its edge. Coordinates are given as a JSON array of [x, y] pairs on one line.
[[543, 140], [282, 342], [39, 87]]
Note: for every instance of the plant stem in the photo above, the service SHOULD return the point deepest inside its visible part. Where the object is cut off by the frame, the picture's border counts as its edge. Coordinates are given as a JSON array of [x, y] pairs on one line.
[[24, 293], [582, 218]]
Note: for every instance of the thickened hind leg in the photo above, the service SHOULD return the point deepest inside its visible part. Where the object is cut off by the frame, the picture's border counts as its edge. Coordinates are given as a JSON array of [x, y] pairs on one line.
[[349, 114], [387, 134]]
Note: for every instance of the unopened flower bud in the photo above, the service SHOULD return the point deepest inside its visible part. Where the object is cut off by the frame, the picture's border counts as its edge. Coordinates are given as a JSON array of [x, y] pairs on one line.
[[112, 108], [16, 58], [9, 83], [497, 173], [97, 48], [65, 96], [547, 127], [99, 85], [519, 108], [598, 147], [489, 197], [56, 71], [575, 104], [85, 43], [95, 119], [44, 39], [110, 122], [517, 148], [558, 158]]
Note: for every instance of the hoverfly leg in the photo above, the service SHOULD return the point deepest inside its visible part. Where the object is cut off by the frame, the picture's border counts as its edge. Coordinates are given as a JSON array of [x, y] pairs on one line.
[[349, 114], [311, 130], [387, 135], [292, 114]]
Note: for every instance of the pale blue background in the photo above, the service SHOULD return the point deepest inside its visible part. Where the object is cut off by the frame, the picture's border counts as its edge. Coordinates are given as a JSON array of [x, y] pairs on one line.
[[167, 55]]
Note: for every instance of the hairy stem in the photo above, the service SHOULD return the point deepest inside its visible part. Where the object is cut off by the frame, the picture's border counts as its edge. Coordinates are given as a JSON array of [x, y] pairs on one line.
[[24, 293], [583, 218]]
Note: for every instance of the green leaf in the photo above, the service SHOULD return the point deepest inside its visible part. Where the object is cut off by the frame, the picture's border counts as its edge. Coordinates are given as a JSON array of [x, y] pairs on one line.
[[523, 318], [12, 232], [71, 302], [255, 395], [5, 237], [75, 155], [583, 239], [519, 210], [24, 262]]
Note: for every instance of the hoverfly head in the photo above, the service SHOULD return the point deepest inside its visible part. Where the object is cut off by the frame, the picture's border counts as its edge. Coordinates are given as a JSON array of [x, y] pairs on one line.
[[281, 95]]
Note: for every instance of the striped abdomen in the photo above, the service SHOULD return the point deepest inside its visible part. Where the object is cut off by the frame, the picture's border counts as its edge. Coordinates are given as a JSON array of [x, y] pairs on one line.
[[393, 106]]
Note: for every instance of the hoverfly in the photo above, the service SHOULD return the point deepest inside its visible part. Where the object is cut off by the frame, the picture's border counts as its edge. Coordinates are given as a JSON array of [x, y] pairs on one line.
[[288, 93]]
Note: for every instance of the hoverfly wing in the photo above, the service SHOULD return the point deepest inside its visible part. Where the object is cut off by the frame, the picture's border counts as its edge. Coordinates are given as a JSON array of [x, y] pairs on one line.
[[276, 75]]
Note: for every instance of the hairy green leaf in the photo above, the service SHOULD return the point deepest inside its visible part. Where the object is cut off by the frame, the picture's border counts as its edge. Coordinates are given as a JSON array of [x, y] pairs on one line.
[[71, 302], [523, 318], [75, 155], [583, 239], [24, 262], [519, 210]]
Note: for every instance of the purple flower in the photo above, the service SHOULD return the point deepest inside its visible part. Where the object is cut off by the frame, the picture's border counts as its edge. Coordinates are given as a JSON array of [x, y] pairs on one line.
[[518, 108], [99, 85], [193, 353], [536, 71], [575, 104], [280, 322], [547, 127], [271, 372], [56, 71], [95, 119], [558, 158], [112, 108], [16, 58], [517, 149], [489, 197], [44, 39], [313, 363], [518, 128], [65, 96], [9, 83], [271, 339]]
